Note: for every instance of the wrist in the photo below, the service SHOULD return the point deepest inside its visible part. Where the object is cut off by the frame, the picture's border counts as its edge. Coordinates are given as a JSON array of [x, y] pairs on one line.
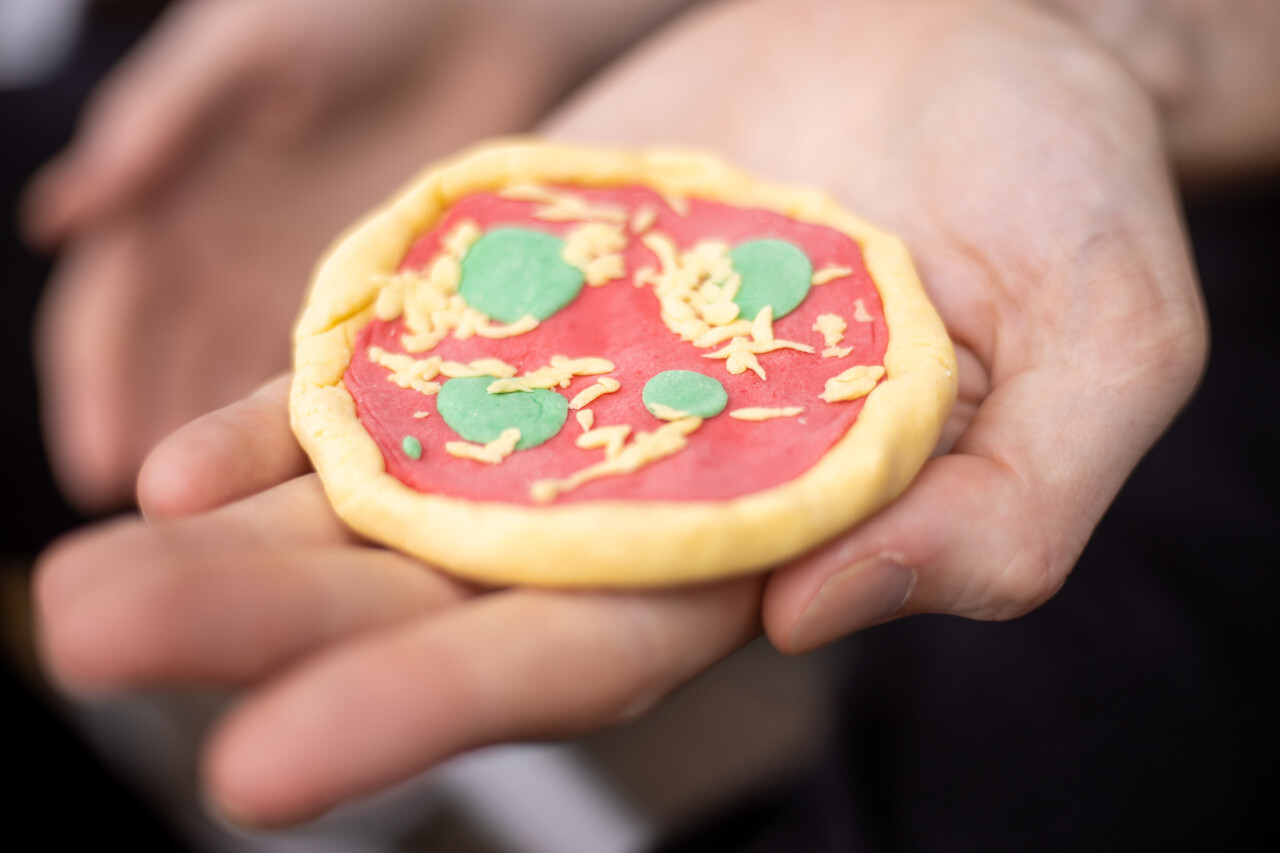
[[1212, 69]]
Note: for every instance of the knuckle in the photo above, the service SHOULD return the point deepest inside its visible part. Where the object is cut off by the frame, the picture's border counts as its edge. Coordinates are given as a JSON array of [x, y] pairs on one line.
[[97, 628], [67, 639], [639, 677], [1034, 572]]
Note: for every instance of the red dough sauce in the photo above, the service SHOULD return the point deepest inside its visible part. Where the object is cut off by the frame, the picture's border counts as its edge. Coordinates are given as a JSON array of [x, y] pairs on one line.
[[618, 321]]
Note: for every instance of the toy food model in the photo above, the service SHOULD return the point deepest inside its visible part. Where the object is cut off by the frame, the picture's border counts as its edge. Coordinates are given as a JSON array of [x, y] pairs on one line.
[[549, 365]]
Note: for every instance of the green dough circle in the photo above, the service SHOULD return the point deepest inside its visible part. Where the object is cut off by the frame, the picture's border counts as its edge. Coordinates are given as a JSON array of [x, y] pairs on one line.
[[476, 415], [685, 391], [774, 272], [510, 273]]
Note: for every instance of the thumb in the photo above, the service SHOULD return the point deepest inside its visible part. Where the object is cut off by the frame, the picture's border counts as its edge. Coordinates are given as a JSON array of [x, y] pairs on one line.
[[992, 530], [960, 540]]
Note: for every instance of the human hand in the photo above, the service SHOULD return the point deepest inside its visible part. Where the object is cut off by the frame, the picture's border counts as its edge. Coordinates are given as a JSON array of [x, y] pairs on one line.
[[360, 666], [1025, 170], [278, 69], [216, 163]]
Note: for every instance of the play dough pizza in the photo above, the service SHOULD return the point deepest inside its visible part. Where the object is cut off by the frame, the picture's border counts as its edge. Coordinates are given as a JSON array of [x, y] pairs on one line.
[[552, 365]]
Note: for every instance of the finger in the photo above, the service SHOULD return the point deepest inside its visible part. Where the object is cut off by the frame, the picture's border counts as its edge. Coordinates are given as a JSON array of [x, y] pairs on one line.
[[991, 531], [229, 454], [148, 116], [514, 665], [293, 514], [973, 386], [957, 530], [83, 357], [213, 600], [121, 367]]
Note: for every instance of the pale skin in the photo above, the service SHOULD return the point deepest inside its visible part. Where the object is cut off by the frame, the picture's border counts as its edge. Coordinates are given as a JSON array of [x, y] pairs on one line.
[[1027, 169]]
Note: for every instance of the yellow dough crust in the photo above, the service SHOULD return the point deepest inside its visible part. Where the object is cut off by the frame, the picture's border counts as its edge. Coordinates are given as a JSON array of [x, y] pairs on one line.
[[611, 543]]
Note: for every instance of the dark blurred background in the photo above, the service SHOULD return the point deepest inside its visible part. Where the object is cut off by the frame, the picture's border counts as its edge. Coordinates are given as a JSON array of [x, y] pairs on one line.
[[1187, 690], [59, 792]]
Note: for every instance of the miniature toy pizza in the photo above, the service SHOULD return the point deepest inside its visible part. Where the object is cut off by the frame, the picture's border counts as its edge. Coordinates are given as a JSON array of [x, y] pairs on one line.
[[562, 366]]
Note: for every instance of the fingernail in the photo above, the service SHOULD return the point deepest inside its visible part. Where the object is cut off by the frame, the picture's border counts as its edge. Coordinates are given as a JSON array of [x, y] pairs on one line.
[[865, 593]]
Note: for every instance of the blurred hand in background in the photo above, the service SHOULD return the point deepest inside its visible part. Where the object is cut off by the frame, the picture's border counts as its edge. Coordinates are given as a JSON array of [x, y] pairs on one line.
[[218, 161]]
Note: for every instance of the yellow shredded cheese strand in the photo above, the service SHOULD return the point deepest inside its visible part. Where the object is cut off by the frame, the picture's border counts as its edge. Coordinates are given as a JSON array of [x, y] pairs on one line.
[[740, 354], [761, 413], [762, 327], [853, 383], [740, 361], [390, 302], [738, 329], [719, 313], [695, 291], [483, 367], [643, 219], [595, 248], [832, 328], [430, 302], [678, 203], [408, 372], [564, 206], [829, 274], [486, 328], [458, 241], [611, 438], [666, 413], [589, 395], [757, 347], [860, 312], [645, 449], [559, 372], [695, 288], [490, 454]]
